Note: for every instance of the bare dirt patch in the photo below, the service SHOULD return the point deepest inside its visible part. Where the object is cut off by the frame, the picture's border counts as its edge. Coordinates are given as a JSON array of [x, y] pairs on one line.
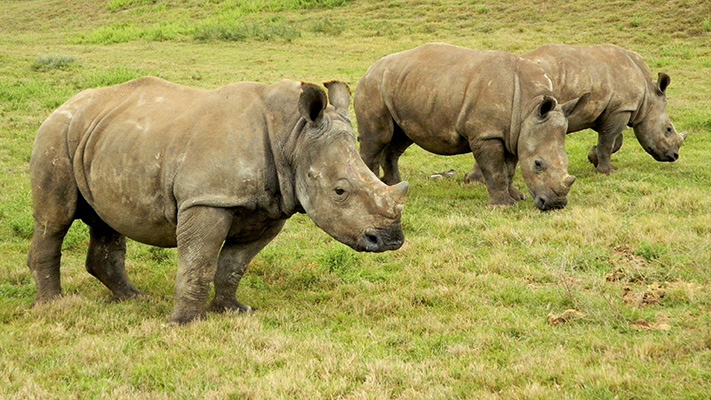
[[628, 266], [567, 316]]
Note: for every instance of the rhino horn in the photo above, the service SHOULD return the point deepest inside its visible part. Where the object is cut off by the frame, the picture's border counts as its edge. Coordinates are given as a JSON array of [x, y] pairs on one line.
[[399, 191], [683, 135], [568, 181], [339, 94]]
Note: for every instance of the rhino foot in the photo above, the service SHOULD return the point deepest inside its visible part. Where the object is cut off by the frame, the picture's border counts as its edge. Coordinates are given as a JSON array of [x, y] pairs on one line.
[[40, 300], [592, 155], [125, 295], [225, 305], [516, 194], [503, 201], [474, 175], [606, 169], [182, 318]]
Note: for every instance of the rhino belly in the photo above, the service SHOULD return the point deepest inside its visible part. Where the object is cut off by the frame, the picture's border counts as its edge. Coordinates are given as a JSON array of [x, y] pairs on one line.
[[125, 186], [439, 140]]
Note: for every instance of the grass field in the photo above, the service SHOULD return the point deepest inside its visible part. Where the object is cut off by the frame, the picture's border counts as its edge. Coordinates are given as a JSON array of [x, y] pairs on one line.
[[609, 298]]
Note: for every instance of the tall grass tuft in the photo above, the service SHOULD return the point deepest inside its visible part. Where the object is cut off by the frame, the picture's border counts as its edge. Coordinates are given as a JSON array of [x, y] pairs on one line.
[[328, 27], [48, 62], [119, 5], [245, 31], [110, 77]]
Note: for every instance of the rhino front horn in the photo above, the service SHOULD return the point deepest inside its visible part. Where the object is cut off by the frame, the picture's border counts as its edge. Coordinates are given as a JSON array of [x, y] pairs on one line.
[[569, 180], [684, 135], [399, 191]]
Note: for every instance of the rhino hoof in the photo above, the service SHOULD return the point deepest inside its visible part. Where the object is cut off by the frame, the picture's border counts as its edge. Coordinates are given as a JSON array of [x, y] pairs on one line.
[[128, 294], [502, 202], [182, 319], [516, 194], [229, 305], [606, 170]]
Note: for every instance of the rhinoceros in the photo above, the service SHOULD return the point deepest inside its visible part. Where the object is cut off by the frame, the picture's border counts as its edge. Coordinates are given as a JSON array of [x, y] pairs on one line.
[[453, 100], [622, 93], [214, 172]]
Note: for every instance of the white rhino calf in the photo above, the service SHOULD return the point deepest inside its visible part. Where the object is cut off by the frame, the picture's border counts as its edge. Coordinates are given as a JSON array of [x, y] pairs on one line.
[[622, 94], [215, 173], [452, 100]]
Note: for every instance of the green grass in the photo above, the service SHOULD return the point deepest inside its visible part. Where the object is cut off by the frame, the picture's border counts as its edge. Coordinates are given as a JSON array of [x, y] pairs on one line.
[[461, 310]]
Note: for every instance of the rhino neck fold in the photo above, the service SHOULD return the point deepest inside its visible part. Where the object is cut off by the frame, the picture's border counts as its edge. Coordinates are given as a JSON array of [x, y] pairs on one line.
[[511, 141], [281, 148], [640, 113]]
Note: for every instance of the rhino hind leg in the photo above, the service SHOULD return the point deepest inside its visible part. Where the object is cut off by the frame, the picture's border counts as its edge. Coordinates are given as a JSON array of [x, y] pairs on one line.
[[609, 141], [391, 155], [44, 259], [105, 260], [54, 200], [474, 175], [592, 153], [231, 266]]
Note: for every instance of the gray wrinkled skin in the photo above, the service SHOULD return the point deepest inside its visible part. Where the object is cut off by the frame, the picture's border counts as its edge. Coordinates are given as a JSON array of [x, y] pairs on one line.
[[215, 173], [622, 93], [451, 100]]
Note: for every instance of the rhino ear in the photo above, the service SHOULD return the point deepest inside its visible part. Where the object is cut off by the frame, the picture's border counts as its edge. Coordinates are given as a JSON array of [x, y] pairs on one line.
[[546, 106], [662, 82], [312, 101], [339, 94], [575, 104]]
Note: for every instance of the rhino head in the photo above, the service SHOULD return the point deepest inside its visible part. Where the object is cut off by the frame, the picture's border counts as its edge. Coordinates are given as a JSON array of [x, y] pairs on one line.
[[541, 151], [333, 185], [654, 130]]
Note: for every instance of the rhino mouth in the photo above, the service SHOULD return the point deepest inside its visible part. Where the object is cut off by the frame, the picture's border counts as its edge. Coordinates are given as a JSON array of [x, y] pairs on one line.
[[376, 240], [667, 156]]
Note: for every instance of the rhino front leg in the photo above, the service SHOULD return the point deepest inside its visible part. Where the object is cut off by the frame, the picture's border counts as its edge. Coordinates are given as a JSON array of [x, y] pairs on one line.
[[391, 155], [609, 140], [232, 264], [490, 155], [201, 232], [105, 261], [511, 162]]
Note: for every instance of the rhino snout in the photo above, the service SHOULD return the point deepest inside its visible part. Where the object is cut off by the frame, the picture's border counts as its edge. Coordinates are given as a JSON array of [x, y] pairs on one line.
[[377, 240], [672, 155], [545, 202]]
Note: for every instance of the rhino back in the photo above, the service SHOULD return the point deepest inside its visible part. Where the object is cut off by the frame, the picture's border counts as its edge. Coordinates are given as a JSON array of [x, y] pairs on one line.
[[443, 96], [146, 148], [616, 78]]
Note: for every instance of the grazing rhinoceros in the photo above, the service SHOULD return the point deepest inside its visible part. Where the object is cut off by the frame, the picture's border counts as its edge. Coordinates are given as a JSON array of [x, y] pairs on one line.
[[215, 173], [622, 94], [452, 100]]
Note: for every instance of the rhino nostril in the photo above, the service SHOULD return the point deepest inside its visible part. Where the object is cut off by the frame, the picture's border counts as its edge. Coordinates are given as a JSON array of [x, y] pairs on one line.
[[674, 156], [541, 202], [371, 241]]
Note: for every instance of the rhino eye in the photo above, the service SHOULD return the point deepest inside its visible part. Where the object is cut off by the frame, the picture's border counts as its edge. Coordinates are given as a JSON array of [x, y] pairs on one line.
[[340, 191], [669, 130], [539, 166]]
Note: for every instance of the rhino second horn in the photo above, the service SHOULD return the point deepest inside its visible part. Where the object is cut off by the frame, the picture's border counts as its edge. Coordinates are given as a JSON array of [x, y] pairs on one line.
[[684, 135]]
